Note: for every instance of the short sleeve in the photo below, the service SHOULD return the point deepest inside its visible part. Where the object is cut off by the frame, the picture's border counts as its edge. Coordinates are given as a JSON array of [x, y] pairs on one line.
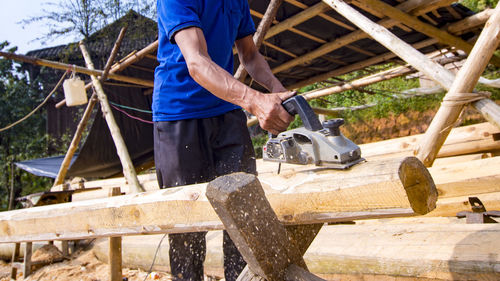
[[175, 15], [247, 27]]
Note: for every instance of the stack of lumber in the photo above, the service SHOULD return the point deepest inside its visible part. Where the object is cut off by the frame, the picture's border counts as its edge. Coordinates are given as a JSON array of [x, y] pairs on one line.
[[404, 248]]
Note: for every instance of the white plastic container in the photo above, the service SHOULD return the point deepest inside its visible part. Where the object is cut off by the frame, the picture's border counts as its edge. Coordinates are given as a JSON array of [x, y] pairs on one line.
[[74, 91]]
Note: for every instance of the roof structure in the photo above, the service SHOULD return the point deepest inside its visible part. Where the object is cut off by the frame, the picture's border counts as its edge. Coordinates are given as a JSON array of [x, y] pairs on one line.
[[308, 42]]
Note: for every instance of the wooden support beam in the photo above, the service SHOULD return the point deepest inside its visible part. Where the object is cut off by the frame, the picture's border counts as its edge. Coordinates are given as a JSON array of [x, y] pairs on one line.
[[28, 251], [115, 249], [121, 147], [258, 37], [15, 257], [79, 69], [396, 187], [322, 15], [61, 175], [465, 82], [411, 5], [393, 43], [241, 204], [297, 19], [470, 22], [427, 29], [477, 138]]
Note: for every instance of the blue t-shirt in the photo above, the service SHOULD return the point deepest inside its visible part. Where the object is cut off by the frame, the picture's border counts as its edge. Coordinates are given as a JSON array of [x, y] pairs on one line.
[[176, 95]]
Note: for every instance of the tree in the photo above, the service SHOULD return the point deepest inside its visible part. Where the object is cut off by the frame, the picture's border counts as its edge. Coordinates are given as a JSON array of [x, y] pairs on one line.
[[81, 18], [26, 140]]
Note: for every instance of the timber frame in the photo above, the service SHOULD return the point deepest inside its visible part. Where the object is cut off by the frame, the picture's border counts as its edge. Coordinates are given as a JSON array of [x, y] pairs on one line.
[[376, 19]]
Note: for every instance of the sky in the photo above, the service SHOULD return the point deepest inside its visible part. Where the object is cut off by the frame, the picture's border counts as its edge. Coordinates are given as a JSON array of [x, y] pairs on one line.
[[11, 13]]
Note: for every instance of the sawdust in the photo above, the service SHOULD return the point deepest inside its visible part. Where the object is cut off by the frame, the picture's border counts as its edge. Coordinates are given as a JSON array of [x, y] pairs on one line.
[[83, 266], [47, 254]]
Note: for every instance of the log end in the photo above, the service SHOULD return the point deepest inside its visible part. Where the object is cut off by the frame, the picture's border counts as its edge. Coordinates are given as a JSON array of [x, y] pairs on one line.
[[419, 185]]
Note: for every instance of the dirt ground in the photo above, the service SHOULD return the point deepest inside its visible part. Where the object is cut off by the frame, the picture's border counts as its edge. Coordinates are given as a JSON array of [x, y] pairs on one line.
[[82, 266]]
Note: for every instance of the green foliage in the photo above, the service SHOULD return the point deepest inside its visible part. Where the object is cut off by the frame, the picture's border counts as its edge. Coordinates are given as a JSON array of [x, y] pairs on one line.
[[479, 5], [26, 140], [84, 17]]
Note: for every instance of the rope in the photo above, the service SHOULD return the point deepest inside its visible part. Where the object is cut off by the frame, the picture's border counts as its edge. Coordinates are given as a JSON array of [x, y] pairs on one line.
[[131, 116], [38, 107], [131, 108], [460, 99]]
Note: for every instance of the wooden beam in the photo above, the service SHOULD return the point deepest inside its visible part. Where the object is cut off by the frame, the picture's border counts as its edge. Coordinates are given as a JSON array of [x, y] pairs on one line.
[[258, 37], [470, 22], [364, 81], [353, 36], [79, 69], [393, 43], [240, 202], [427, 29], [465, 82], [462, 140], [297, 19], [121, 147], [322, 15], [396, 187]]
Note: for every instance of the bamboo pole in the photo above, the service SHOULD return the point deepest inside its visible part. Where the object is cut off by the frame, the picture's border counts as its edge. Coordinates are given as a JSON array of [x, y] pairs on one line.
[[61, 175], [121, 147], [465, 81], [258, 37], [364, 81], [79, 69], [412, 5], [427, 29]]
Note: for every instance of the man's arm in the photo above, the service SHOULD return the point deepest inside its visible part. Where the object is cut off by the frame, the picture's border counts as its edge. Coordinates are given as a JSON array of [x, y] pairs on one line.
[[256, 65], [267, 107]]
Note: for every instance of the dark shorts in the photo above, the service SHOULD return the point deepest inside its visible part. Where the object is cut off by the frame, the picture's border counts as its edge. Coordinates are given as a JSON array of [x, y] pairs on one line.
[[196, 151], [199, 150]]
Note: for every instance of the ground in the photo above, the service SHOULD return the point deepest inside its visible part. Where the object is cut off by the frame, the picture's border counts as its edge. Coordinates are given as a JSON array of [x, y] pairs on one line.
[[83, 266]]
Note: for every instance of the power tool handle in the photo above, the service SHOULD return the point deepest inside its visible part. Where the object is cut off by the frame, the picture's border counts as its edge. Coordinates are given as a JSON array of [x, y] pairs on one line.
[[298, 105]]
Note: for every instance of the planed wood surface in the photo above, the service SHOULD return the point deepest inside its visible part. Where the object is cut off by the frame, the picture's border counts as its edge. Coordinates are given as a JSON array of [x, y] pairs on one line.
[[399, 187]]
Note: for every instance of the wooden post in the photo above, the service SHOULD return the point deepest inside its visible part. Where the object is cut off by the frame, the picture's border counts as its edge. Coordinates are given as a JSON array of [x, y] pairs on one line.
[[241, 204], [86, 115], [11, 193], [465, 81], [115, 249], [258, 37], [15, 257], [28, 250], [121, 147]]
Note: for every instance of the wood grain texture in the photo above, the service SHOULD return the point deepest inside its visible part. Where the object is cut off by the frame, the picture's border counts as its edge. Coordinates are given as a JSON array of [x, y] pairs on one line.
[[299, 195]]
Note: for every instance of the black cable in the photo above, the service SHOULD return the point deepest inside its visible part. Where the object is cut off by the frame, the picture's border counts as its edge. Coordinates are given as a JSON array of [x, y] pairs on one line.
[[154, 258]]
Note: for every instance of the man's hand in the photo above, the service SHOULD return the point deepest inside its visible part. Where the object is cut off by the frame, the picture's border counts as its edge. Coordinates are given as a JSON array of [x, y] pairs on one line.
[[271, 114]]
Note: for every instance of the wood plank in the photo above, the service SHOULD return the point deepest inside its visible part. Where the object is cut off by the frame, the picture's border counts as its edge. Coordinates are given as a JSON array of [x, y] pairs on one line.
[[399, 187]]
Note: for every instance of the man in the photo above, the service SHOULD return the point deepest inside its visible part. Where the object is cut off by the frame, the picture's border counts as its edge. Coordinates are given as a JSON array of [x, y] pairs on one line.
[[200, 130]]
